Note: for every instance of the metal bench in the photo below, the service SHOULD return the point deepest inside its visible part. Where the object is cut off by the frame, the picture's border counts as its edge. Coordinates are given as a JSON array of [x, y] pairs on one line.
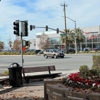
[[40, 69]]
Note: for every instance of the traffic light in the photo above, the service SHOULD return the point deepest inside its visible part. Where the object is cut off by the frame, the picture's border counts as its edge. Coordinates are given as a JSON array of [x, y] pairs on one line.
[[46, 28], [57, 30], [30, 27], [27, 43], [24, 25], [16, 28]]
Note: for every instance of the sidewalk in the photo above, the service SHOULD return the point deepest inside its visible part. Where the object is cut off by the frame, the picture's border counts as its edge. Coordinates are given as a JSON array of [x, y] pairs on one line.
[[31, 91]]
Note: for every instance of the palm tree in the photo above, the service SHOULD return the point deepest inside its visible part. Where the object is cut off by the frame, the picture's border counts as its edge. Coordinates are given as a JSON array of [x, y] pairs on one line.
[[66, 39], [79, 37], [71, 37], [10, 44]]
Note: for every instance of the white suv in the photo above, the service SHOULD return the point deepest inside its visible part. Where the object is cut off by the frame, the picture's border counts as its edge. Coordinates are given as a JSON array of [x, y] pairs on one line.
[[54, 53]]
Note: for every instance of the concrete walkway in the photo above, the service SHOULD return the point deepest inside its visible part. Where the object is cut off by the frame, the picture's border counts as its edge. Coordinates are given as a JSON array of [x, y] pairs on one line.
[[31, 91]]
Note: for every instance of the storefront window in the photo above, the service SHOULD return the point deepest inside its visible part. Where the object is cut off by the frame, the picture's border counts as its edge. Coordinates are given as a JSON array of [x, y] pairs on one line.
[[55, 41]]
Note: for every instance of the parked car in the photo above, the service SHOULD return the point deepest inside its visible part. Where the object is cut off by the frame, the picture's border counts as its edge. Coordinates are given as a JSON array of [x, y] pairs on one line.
[[37, 51], [97, 48], [87, 49], [30, 50], [71, 50], [54, 53], [40, 52]]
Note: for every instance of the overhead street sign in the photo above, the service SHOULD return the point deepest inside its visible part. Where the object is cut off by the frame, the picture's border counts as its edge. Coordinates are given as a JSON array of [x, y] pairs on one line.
[[64, 34]]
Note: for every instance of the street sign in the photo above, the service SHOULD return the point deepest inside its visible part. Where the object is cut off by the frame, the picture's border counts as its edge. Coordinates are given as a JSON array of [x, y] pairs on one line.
[[23, 49], [64, 34]]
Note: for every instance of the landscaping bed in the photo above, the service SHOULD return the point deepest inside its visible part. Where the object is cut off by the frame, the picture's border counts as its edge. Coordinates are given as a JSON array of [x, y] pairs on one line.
[[57, 90], [82, 85]]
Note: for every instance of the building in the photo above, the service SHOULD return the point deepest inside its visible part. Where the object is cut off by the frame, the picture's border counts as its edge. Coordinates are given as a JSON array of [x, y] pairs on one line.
[[32, 43], [92, 35], [54, 38]]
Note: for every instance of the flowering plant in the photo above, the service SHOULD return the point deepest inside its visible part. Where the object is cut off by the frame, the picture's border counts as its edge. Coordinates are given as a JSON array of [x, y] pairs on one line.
[[77, 81]]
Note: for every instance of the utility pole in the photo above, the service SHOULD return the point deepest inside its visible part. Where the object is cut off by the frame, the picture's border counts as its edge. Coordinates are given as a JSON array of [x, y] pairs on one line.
[[66, 43], [65, 15]]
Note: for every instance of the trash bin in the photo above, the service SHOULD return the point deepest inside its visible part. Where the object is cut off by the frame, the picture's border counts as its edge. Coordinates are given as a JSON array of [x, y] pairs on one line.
[[15, 75]]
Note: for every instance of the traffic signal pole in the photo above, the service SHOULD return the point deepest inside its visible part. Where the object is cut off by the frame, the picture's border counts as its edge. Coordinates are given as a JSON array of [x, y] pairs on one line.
[[23, 32], [22, 60], [19, 33]]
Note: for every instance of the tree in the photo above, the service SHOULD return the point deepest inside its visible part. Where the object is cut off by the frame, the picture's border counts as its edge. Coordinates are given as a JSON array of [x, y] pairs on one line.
[[17, 44], [44, 42], [10, 44], [71, 37], [79, 37], [1, 45], [65, 39]]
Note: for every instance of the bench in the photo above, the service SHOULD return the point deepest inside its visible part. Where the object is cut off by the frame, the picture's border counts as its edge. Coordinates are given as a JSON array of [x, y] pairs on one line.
[[4, 81], [40, 69]]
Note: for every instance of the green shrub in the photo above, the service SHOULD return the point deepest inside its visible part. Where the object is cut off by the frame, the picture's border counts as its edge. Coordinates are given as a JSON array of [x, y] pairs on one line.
[[29, 53], [96, 62], [6, 72], [1, 53], [84, 71], [15, 53], [6, 53]]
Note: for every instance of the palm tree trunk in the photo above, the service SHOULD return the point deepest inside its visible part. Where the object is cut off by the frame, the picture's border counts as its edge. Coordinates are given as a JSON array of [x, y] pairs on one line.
[[67, 46]]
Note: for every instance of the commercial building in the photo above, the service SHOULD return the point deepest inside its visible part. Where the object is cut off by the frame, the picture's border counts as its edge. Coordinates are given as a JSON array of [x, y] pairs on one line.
[[53, 36], [32, 43], [92, 35]]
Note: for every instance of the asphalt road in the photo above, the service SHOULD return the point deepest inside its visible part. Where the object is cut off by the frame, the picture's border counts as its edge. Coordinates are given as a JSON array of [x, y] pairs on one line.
[[69, 63]]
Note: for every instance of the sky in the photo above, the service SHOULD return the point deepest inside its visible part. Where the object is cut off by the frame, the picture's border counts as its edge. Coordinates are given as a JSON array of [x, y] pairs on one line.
[[46, 12]]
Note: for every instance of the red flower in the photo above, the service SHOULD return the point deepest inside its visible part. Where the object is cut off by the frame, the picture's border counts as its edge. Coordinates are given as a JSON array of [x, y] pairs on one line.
[[88, 81]]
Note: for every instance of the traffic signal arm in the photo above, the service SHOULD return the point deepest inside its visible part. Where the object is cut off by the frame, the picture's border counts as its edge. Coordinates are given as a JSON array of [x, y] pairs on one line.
[[46, 27]]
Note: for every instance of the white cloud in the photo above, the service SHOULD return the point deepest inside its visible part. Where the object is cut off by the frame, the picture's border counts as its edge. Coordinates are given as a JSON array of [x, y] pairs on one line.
[[46, 12]]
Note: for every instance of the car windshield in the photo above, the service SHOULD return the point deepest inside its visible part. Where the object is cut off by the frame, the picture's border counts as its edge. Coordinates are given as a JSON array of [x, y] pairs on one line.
[[98, 47], [56, 50]]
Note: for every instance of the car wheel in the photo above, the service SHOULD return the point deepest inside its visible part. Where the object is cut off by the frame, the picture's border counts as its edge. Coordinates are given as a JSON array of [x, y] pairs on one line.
[[55, 56], [62, 57], [46, 56]]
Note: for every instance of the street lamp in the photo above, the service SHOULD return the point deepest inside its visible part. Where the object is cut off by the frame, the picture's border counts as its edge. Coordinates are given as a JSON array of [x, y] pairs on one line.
[[75, 34]]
